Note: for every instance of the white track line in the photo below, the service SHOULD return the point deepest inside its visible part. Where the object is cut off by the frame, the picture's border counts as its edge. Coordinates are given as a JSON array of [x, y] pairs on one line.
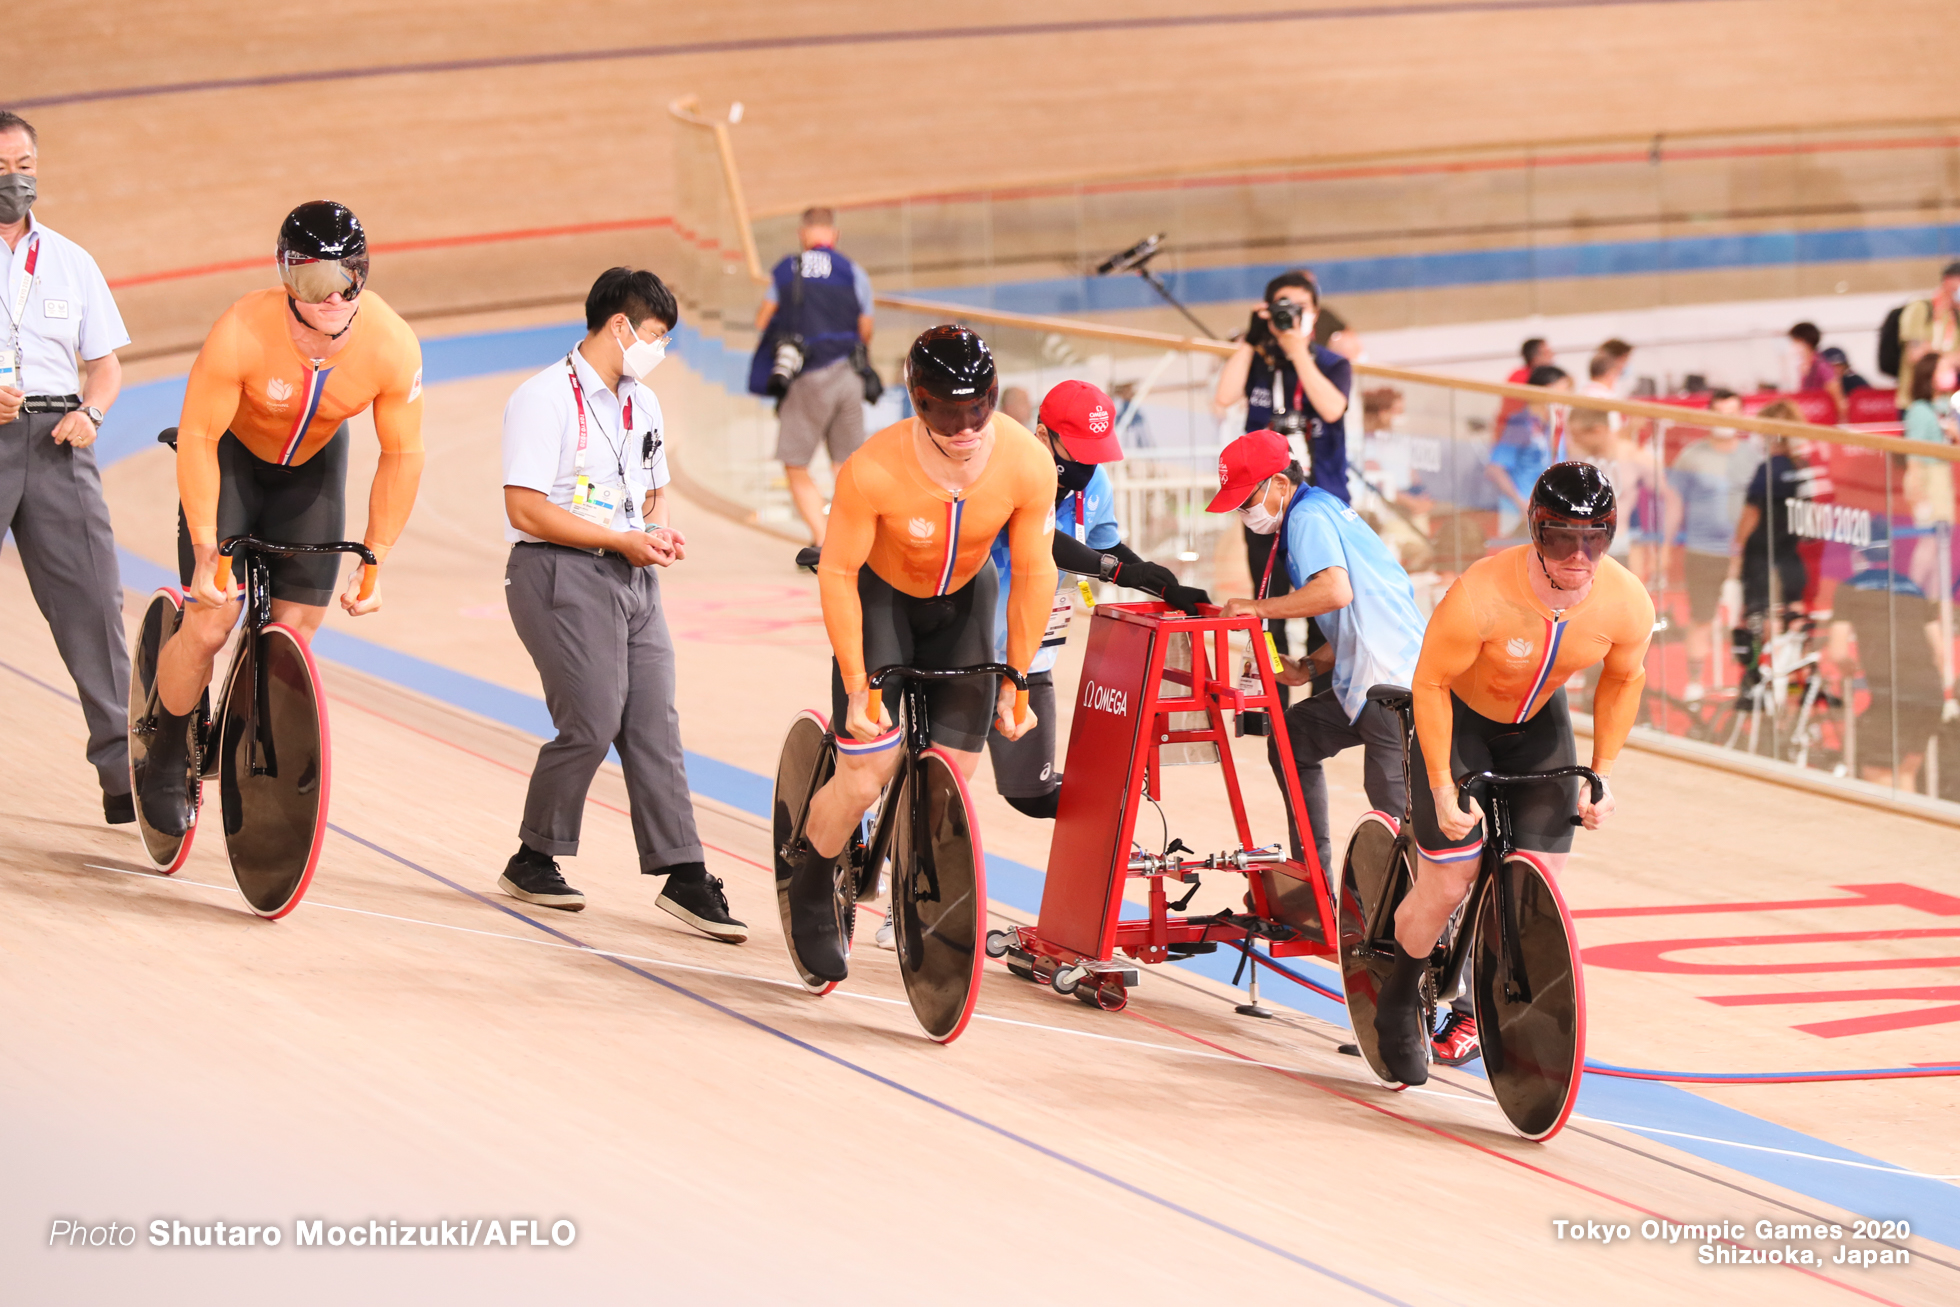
[[1171, 1049]]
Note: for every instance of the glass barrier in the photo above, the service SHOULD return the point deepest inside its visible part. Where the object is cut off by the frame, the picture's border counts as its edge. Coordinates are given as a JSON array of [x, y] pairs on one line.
[[1802, 575]]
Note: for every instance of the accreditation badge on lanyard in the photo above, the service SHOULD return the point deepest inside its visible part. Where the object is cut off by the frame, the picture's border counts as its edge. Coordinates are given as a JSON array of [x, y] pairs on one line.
[[10, 355], [597, 502]]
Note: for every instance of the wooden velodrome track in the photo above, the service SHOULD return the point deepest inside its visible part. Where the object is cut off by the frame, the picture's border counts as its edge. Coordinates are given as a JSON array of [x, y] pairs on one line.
[[409, 1047]]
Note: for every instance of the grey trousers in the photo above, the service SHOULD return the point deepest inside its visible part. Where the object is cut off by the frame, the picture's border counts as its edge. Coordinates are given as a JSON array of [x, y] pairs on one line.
[[51, 499], [595, 630], [1318, 728]]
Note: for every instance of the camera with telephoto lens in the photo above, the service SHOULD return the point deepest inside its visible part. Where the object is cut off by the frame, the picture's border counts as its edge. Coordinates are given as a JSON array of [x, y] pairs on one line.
[[1284, 314], [788, 365]]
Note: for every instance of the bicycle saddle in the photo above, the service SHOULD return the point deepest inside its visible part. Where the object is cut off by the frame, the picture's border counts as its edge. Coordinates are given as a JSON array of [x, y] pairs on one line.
[[808, 555], [1392, 697]]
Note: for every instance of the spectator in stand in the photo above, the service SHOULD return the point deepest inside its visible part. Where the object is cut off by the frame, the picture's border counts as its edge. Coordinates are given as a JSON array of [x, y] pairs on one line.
[[1639, 487], [1604, 373], [1929, 481], [1928, 326], [1016, 403], [1537, 354], [1765, 560], [1331, 331], [1813, 373], [1708, 479], [1840, 362], [1524, 449], [1897, 631]]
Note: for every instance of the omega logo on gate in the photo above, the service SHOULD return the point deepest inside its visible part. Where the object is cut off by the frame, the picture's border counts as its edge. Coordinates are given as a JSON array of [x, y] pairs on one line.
[[1104, 699]]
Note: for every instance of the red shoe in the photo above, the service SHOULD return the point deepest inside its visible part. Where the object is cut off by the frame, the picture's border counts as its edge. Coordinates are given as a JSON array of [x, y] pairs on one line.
[[1456, 1042]]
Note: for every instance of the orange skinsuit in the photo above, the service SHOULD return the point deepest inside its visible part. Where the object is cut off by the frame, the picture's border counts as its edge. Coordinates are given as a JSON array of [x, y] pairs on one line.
[[1499, 650], [923, 540], [252, 380]]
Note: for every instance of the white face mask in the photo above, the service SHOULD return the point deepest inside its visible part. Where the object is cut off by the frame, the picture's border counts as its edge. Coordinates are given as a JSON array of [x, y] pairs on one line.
[[1257, 518], [642, 356]]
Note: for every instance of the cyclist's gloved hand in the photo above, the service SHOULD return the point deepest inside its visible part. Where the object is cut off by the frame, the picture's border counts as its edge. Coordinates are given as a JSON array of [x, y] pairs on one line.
[[1186, 598], [1139, 574]]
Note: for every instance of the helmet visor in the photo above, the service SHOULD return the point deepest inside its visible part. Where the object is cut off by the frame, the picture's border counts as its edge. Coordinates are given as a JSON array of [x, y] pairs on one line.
[[949, 417], [311, 281], [1558, 543]]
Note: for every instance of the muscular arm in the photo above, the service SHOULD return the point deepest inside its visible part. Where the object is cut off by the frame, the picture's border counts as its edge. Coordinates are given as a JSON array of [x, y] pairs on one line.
[[1032, 589], [397, 476], [846, 544], [1616, 701], [1449, 649], [210, 403]]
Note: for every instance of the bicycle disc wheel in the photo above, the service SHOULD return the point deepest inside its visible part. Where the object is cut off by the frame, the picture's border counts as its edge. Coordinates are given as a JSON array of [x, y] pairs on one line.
[[273, 780], [160, 621], [1365, 877], [1534, 1045], [939, 899], [809, 757]]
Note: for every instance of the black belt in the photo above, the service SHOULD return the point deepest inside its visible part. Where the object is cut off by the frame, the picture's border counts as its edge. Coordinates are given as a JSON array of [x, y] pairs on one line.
[[570, 549], [51, 403]]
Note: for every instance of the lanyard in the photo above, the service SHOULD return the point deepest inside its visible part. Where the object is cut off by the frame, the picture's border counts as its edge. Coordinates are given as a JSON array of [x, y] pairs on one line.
[[1279, 541], [21, 297], [626, 424]]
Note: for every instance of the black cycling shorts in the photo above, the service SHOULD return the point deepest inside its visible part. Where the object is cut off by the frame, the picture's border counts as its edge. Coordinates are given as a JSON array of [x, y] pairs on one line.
[[305, 504], [953, 630], [1541, 813]]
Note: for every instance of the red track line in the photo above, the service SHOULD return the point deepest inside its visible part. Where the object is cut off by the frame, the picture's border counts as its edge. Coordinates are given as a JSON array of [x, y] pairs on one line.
[[1473, 1144]]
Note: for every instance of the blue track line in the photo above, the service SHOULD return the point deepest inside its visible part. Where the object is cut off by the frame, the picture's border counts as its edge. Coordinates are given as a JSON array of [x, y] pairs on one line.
[[889, 1083]]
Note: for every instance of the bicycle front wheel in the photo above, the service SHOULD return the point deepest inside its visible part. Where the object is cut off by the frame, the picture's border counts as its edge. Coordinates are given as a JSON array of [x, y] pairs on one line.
[[273, 770], [1532, 1024], [160, 622], [939, 897]]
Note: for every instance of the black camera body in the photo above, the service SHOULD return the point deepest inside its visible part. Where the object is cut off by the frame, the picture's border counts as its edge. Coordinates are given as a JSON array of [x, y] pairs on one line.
[[1291, 423], [1285, 314], [786, 366]]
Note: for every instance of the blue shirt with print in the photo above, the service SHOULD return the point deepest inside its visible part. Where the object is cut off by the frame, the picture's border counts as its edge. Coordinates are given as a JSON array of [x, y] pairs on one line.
[[1378, 634], [1095, 508]]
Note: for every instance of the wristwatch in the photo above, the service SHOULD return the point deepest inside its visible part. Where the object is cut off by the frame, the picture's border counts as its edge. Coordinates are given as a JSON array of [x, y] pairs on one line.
[[1106, 568], [93, 414]]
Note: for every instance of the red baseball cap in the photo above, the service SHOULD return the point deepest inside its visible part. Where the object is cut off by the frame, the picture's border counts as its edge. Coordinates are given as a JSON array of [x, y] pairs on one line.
[[1085, 419], [1244, 464]]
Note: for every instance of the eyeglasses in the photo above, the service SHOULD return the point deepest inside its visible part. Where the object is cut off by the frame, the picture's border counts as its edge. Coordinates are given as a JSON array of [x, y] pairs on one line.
[[1558, 543], [1258, 493]]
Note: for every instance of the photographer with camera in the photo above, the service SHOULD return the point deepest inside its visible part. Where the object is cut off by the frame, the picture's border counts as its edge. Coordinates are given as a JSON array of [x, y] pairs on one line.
[[816, 323], [1290, 385]]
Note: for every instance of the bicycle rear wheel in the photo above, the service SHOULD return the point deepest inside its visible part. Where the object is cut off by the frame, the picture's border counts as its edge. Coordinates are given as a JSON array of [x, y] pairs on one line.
[[273, 779], [1534, 1042], [808, 758], [160, 621], [1370, 868], [939, 897]]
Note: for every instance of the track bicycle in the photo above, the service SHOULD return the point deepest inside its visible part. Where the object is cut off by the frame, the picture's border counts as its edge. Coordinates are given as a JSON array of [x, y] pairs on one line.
[[925, 827], [267, 743], [1524, 976]]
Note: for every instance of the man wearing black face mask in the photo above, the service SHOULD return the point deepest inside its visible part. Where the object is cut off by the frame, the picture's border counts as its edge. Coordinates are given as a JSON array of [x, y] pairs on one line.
[[59, 307]]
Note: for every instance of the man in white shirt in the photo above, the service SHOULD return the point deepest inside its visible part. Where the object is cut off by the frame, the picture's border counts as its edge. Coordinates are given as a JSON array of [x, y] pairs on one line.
[[584, 471], [56, 306]]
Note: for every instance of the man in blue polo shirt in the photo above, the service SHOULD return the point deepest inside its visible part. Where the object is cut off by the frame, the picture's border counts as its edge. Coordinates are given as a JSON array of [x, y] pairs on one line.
[[823, 300], [1344, 577]]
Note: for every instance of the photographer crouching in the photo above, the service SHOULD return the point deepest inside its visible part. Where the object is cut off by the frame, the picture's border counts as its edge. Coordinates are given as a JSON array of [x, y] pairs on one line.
[[1299, 389], [816, 323]]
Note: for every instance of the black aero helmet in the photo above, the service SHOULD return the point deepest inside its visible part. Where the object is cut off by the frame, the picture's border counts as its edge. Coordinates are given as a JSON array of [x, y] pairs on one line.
[[322, 250], [1572, 507], [951, 376]]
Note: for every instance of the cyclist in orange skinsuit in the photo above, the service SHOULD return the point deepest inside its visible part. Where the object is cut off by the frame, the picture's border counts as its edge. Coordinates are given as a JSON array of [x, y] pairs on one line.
[[1489, 695], [906, 578], [262, 450]]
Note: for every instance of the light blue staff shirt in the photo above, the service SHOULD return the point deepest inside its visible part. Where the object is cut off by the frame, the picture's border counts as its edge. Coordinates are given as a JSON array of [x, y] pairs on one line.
[[1091, 518], [1378, 634]]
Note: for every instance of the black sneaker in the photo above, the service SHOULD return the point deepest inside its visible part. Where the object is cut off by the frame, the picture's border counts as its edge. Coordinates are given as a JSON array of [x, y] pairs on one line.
[[533, 877], [811, 910], [165, 794], [697, 898], [119, 809]]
